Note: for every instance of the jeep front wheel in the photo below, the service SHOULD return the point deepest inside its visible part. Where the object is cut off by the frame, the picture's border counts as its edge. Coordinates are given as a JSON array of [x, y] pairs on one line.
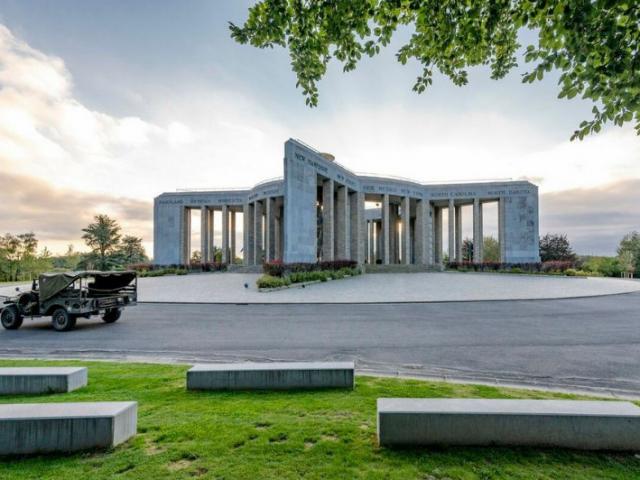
[[111, 315], [62, 321], [11, 318]]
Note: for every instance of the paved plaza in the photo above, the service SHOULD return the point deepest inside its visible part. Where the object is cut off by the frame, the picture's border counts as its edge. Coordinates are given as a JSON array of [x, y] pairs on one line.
[[381, 287], [374, 288]]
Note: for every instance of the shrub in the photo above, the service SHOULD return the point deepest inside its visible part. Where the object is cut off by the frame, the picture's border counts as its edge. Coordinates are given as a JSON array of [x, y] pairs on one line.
[[493, 266], [556, 266], [141, 267], [214, 267], [268, 281], [151, 273], [273, 269], [337, 264], [277, 268], [272, 281]]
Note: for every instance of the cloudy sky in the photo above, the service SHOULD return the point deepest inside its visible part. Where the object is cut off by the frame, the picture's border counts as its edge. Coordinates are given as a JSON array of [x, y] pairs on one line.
[[104, 105]]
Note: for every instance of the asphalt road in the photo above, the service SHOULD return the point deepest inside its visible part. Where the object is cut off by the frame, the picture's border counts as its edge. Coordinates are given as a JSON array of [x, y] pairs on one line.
[[577, 344]]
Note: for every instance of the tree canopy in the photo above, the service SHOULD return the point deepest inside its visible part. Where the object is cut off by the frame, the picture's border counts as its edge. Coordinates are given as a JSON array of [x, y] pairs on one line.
[[629, 252], [594, 44], [555, 246], [103, 237], [19, 259]]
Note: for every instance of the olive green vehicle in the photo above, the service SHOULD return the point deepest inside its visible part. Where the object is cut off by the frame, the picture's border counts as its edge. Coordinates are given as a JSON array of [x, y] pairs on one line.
[[67, 296]]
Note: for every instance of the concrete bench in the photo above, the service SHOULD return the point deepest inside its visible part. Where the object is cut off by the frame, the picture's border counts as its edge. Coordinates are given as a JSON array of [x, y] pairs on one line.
[[271, 376], [21, 380], [583, 425], [32, 428]]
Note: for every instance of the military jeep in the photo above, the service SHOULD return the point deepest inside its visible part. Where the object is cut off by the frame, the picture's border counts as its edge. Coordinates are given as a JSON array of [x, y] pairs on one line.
[[67, 296]]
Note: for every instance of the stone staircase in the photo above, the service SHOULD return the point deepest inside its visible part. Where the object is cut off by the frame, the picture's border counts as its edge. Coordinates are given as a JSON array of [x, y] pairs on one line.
[[244, 268], [401, 268]]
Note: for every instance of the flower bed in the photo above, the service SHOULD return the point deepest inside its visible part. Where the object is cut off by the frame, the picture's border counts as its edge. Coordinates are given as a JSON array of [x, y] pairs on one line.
[[272, 281]]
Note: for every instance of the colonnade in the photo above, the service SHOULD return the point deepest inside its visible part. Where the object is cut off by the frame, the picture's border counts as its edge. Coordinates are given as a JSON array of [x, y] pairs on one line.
[[410, 231], [228, 242], [340, 233], [263, 230], [406, 230]]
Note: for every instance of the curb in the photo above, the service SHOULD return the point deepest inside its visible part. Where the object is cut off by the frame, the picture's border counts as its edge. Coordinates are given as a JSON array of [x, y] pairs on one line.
[[406, 302]]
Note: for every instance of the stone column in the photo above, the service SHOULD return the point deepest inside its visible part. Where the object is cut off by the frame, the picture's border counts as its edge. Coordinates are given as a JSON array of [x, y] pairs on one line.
[[406, 230], [394, 245], [276, 247], [420, 227], [270, 230], [204, 234], [281, 232], [502, 229], [327, 221], [211, 234], [258, 245], [437, 235], [186, 236], [478, 240], [232, 233], [343, 229], [452, 235], [372, 246], [358, 228], [379, 250], [225, 235], [458, 230], [385, 238], [247, 234], [429, 215]]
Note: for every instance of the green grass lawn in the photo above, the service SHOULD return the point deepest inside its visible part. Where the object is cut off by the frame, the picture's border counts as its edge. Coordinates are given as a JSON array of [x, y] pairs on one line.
[[326, 434]]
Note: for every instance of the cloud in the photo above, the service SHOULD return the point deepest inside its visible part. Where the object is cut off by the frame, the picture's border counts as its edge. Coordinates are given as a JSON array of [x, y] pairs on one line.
[[46, 132], [595, 219], [57, 216], [444, 145], [85, 161]]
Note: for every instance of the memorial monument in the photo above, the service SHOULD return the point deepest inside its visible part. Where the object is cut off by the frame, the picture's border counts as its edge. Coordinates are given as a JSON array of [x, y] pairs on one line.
[[317, 212]]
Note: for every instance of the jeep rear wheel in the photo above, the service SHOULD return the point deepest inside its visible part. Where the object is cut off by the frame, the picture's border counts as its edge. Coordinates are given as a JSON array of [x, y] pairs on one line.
[[111, 315], [62, 321], [11, 318]]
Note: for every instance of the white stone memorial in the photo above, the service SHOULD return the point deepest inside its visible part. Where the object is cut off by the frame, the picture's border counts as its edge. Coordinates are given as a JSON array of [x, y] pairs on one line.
[[280, 217], [34, 428], [585, 425], [34, 380], [271, 376]]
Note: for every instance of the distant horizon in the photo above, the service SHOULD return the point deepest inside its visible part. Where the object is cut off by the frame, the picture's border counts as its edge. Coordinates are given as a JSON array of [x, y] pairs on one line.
[[104, 107]]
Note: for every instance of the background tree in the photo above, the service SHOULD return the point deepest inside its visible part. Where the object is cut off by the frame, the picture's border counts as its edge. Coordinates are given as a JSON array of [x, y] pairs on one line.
[[196, 256], [629, 252], [103, 237], [131, 250], [69, 261], [555, 246], [594, 44], [467, 250], [490, 249], [606, 266], [19, 259]]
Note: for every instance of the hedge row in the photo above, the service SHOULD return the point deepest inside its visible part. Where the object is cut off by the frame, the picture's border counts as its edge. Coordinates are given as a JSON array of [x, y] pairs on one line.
[[271, 281], [280, 269], [554, 266], [193, 267]]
